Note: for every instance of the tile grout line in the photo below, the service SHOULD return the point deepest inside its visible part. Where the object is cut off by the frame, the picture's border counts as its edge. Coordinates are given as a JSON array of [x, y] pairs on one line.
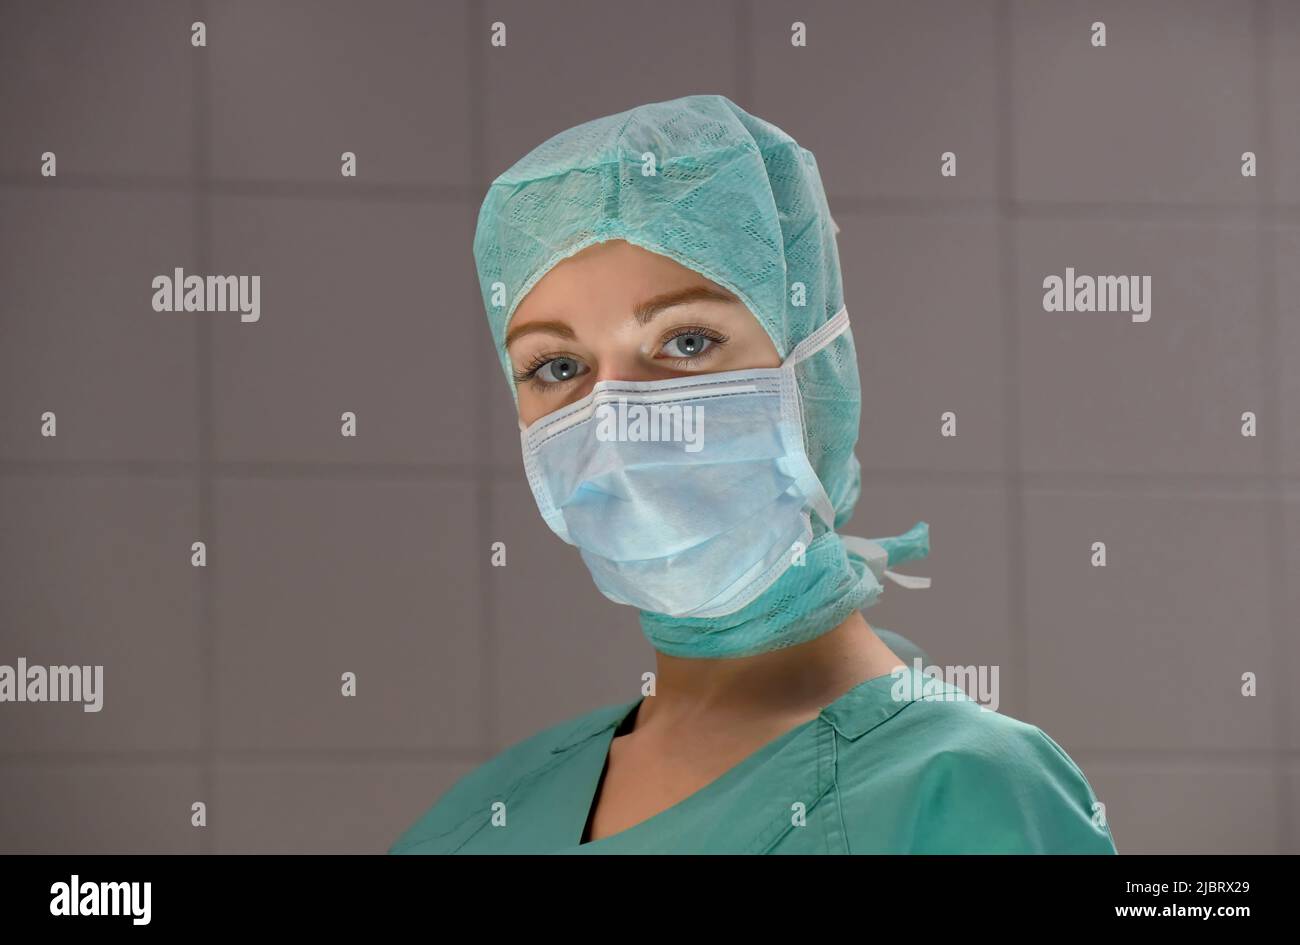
[[743, 36], [1016, 592], [1200, 485], [848, 204], [202, 249], [490, 723], [250, 187], [1264, 758], [1270, 340]]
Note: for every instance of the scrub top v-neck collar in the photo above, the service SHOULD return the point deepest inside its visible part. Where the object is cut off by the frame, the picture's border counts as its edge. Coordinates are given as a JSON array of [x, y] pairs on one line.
[[806, 752]]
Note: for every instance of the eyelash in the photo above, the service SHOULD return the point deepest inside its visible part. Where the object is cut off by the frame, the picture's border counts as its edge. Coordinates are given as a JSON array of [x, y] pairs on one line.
[[529, 373]]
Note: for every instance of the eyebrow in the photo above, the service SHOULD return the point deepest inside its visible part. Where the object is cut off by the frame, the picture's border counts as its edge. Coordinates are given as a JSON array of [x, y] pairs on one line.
[[552, 328], [696, 293], [643, 313]]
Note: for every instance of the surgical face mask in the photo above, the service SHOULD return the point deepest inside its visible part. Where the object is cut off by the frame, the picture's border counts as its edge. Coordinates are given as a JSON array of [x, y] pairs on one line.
[[687, 497]]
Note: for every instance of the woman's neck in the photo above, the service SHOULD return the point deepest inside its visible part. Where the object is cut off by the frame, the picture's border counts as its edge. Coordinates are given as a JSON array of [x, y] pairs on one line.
[[790, 681]]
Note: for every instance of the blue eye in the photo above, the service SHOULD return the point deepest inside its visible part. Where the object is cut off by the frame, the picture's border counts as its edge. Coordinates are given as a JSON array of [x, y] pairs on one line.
[[558, 370], [688, 345]]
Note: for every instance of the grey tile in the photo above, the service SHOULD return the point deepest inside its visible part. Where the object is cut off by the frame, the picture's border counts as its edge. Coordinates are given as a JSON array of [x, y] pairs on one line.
[[1184, 807], [570, 61], [1287, 268], [96, 572], [963, 618], [1288, 636], [81, 338], [1149, 651], [881, 91], [1291, 812], [502, 435], [295, 84], [1282, 19], [356, 807], [924, 300], [99, 808], [560, 648], [1102, 393], [317, 579], [108, 91], [365, 307], [1161, 114]]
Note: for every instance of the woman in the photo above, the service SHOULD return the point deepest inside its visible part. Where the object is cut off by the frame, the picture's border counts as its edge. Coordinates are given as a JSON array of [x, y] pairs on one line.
[[664, 288]]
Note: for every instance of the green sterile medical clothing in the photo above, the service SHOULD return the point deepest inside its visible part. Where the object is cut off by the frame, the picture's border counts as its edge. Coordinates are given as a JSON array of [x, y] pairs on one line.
[[898, 764]]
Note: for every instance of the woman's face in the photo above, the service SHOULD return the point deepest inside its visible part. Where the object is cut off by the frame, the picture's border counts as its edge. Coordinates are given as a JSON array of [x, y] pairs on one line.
[[619, 312]]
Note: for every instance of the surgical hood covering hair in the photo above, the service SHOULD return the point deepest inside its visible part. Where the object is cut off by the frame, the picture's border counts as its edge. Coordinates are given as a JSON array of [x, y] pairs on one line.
[[736, 199]]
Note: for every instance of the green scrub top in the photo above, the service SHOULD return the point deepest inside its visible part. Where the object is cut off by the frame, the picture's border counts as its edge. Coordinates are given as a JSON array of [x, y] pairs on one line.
[[901, 763]]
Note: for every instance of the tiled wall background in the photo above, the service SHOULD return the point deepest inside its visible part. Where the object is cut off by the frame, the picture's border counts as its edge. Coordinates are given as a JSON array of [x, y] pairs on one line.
[[371, 555]]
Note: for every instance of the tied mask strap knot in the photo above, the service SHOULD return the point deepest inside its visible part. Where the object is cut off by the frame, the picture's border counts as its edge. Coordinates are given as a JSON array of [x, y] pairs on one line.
[[881, 553]]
